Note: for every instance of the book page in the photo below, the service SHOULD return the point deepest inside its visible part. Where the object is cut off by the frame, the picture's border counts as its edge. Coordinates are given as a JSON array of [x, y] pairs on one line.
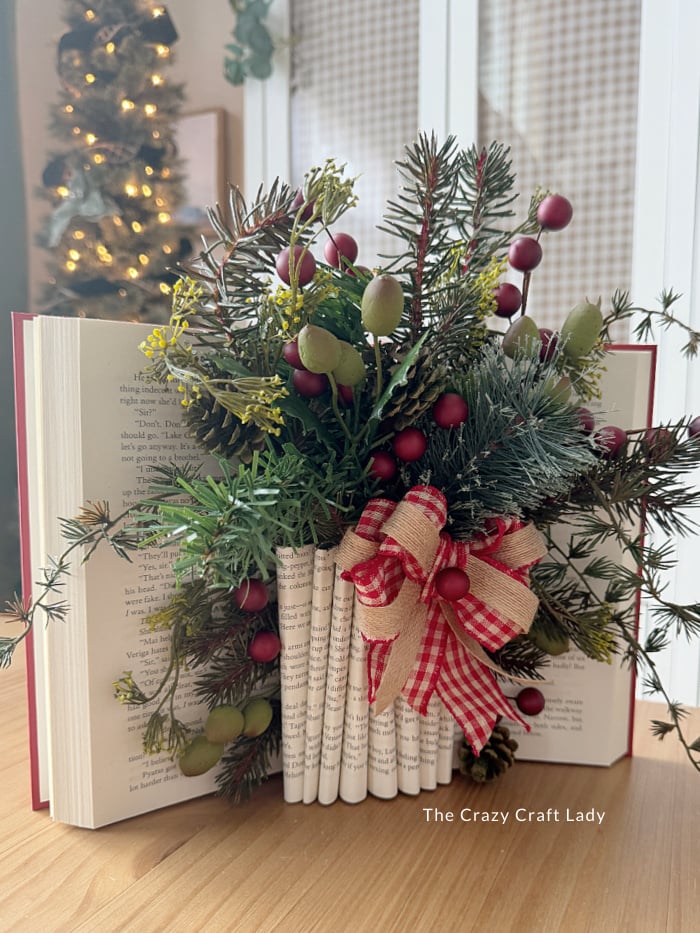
[[353, 765], [446, 746], [407, 747], [336, 685], [106, 424], [321, 620], [588, 704], [382, 775], [429, 743], [295, 579]]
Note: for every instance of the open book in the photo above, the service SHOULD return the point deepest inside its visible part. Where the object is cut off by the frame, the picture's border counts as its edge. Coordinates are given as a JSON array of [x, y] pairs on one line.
[[89, 428], [588, 711]]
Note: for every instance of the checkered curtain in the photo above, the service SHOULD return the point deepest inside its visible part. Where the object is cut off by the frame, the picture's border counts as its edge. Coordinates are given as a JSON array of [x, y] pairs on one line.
[[558, 82], [355, 98]]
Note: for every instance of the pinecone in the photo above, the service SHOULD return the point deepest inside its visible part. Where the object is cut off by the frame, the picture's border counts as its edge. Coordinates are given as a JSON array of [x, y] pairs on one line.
[[496, 756], [220, 432], [425, 382]]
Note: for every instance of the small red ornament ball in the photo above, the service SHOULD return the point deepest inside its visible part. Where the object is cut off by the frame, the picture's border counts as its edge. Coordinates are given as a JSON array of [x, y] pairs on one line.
[[290, 352], [307, 265], [251, 595], [549, 341], [530, 701], [452, 583], [525, 254], [450, 410], [300, 201], [345, 395], [264, 647], [508, 299], [382, 466], [658, 442], [309, 385], [409, 444], [694, 427], [554, 212], [610, 441], [586, 420], [340, 247]]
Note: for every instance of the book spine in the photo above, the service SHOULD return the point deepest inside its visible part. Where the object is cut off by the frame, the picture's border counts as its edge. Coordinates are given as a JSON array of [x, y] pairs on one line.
[[353, 766], [295, 575], [446, 746], [429, 740], [336, 685], [321, 620], [382, 775], [407, 747]]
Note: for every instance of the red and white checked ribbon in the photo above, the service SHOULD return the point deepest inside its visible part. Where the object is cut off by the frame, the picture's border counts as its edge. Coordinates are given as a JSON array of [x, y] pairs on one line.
[[418, 642]]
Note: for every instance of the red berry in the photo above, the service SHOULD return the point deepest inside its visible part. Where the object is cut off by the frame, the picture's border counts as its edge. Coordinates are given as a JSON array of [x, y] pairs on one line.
[[306, 266], [251, 595], [525, 254], [409, 444], [554, 212], [549, 341], [452, 583], [310, 385], [508, 299], [300, 201], [610, 440], [586, 420], [382, 466], [694, 427], [290, 351], [340, 247], [530, 701], [264, 647], [450, 410], [658, 442], [345, 395]]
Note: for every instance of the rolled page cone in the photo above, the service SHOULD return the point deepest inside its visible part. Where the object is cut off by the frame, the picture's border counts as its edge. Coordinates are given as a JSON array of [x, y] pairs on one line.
[[353, 765], [446, 746], [429, 740], [336, 685], [407, 747], [321, 620], [295, 573], [382, 780]]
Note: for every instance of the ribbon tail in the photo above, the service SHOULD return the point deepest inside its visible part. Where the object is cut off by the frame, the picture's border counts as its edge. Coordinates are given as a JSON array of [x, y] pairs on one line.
[[475, 711]]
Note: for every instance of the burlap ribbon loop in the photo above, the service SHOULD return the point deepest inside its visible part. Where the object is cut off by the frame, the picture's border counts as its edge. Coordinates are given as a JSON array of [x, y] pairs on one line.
[[420, 643]]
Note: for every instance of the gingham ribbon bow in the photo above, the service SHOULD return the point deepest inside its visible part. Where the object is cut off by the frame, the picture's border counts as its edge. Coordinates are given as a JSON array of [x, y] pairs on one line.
[[418, 642]]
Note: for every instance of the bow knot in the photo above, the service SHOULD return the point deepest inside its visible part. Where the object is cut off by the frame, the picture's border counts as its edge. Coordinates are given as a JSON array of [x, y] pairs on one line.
[[428, 605]]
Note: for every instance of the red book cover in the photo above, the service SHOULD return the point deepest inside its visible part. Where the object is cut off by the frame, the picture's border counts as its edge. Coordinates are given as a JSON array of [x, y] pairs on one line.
[[18, 319]]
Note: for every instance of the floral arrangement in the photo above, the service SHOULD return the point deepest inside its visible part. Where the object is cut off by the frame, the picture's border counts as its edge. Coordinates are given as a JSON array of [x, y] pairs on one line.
[[416, 416]]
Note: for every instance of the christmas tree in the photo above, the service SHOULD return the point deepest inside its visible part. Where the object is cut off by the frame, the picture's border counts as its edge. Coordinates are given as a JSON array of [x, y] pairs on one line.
[[115, 183]]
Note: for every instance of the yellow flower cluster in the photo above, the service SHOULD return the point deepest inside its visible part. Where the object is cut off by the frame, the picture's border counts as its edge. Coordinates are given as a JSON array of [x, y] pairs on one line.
[[486, 283], [126, 689], [252, 398], [186, 294]]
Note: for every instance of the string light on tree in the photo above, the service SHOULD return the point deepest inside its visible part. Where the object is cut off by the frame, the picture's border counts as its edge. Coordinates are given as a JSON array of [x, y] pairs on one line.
[[117, 106]]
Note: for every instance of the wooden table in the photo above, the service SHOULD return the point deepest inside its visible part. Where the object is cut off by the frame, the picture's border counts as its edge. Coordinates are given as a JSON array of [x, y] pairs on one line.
[[378, 866]]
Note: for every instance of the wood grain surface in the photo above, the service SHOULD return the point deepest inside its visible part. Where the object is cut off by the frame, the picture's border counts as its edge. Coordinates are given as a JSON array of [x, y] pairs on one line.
[[400, 865]]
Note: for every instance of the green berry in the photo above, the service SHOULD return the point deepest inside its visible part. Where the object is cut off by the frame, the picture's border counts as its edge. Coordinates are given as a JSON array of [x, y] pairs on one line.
[[258, 716], [581, 329], [224, 724], [382, 305], [351, 368], [199, 756], [522, 336], [319, 349], [553, 642]]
